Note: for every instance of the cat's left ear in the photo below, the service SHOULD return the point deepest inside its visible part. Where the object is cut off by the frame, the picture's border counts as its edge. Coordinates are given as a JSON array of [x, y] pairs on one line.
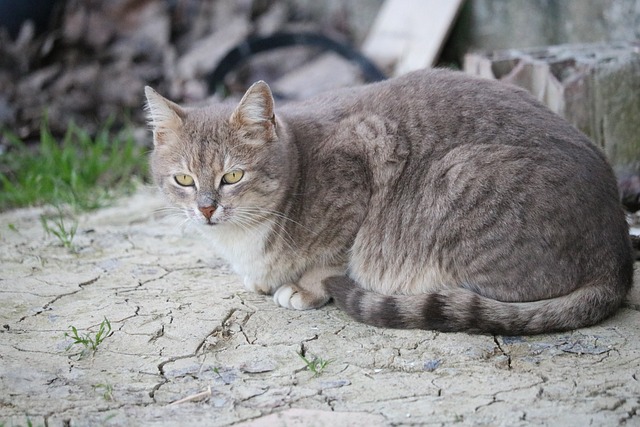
[[164, 117], [256, 108]]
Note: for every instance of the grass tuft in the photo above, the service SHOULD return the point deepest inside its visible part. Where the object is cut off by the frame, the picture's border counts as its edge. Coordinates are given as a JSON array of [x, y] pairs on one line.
[[316, 366], [106, 389], [64, 229], [88, 341], [81, 171]]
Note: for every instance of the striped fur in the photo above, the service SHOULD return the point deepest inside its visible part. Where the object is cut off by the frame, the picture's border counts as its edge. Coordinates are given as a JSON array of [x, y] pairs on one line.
[[434, 200], [463, 310]]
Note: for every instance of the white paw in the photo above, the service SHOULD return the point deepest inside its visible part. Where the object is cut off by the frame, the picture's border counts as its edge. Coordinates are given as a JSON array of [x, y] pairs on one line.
[[287, 296]]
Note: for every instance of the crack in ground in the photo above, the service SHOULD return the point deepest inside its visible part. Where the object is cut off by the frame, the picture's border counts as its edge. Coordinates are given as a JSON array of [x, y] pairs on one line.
[[241, 324], [630, 414], [58, 297], [303, 349], [495, 399], [136, 313], [127, 289], [224, 330], [523, 414], [22, 350], [162, 373], [220, 330], [411, 398], [157, 334], [497, 343], [433, 383], [342, 328]]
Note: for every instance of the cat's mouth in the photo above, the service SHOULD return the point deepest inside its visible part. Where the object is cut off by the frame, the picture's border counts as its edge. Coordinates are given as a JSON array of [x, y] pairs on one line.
[[200, 219], [219, 216], [207, 221]]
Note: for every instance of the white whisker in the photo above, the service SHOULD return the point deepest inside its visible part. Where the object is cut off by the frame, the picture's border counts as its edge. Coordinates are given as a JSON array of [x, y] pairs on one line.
[[255, 218], [265, 212], [166, 212]]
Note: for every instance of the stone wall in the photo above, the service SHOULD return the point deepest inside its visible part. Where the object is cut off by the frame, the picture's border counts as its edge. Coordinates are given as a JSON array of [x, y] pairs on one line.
[[596, 87], [501, 24], [590, 74]]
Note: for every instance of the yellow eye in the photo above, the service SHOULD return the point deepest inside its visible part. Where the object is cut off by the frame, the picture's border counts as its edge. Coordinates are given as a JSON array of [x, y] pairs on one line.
[[232, 177], [184, 180]]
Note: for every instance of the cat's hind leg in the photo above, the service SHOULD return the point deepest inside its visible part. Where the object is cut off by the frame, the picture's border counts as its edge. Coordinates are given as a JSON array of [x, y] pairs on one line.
[[308, 292]]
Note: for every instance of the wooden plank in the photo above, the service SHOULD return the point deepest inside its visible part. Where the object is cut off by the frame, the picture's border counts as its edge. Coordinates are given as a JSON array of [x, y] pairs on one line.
[[409, 34]]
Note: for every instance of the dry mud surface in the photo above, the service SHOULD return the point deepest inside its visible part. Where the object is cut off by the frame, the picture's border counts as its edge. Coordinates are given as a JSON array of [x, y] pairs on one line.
[[183, 326]]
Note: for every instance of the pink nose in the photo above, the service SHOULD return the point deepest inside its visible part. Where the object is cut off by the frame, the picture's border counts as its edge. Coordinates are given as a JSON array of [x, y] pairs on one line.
[[207, 211]]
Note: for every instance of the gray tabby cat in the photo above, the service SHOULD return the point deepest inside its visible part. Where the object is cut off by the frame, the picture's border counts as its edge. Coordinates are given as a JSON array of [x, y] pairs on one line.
[[434, 200]]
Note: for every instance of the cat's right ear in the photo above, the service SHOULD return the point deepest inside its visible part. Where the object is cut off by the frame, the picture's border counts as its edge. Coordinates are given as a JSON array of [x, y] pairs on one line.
[[164, 117], [255, 111]]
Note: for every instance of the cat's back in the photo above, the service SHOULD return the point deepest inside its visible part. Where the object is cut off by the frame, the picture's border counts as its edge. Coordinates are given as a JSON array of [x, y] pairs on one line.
[[441, 106], [450, 107], [433, 112]]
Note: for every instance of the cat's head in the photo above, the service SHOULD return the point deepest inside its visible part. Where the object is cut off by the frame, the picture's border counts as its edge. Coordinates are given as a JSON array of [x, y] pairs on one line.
[[220, 165]]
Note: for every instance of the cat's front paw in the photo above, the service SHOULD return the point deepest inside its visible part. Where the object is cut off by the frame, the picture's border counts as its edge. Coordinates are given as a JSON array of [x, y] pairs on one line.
[[294, 297]]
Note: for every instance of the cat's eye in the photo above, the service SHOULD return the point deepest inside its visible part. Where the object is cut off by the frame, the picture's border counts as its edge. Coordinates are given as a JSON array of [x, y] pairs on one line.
[[184, 180], [232, 177]]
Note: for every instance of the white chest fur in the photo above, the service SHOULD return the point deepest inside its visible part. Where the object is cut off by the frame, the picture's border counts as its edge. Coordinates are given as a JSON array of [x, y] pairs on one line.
[[243, 249]]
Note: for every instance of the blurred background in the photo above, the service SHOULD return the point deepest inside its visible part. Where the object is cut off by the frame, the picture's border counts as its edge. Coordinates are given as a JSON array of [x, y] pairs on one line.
[[84, 63]]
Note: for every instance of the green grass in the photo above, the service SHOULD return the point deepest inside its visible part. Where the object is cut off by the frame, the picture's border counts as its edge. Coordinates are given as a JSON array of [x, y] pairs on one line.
[[316, 366], [62, 227], [81, 171], [106, 389], [88, 341]]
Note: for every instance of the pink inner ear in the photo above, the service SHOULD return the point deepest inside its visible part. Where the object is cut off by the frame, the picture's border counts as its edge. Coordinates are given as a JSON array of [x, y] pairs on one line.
[[256, 105], [164, 116]]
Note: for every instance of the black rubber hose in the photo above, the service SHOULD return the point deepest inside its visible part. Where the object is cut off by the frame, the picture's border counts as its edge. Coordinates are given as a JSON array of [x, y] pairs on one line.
[[254, 45]]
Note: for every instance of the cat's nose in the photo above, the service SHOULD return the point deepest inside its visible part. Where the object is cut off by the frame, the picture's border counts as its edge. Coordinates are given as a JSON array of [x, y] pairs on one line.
[[207, 211]]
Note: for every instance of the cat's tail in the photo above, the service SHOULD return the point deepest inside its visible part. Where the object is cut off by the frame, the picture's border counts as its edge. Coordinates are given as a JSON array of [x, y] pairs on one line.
[[460, 309]]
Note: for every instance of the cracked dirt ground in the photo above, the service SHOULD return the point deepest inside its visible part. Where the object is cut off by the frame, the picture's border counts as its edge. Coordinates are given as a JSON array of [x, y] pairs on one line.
[[183, 325]]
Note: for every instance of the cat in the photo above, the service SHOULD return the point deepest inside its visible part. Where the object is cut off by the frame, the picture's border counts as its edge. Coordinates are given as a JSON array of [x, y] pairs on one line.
[[434, 200]]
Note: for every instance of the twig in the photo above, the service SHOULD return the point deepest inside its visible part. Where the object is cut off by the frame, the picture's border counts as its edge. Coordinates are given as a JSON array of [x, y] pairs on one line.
[[197, 396]]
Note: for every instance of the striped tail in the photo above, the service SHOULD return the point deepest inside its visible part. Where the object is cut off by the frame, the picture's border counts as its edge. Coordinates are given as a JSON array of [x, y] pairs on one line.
[[460, 309]]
